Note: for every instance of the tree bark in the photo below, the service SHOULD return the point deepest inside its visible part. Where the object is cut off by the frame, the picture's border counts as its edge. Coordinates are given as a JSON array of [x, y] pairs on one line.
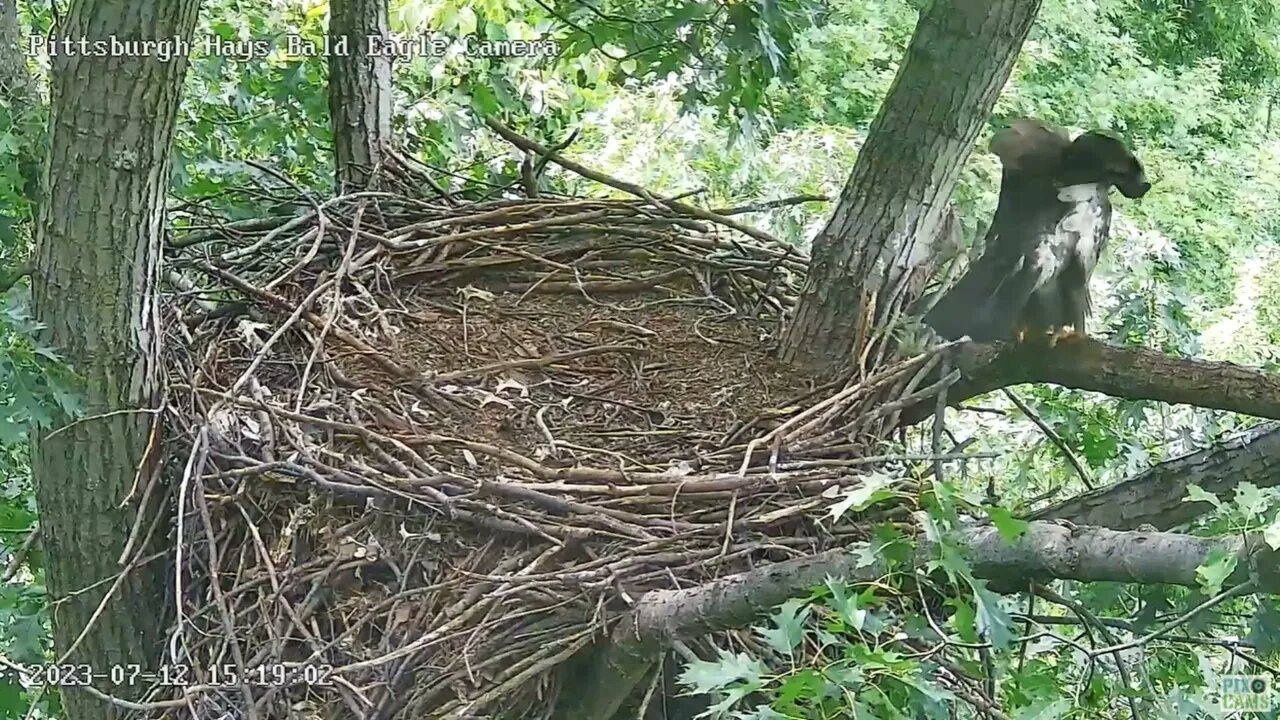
[[359, 92], [1155, 497], [1046, 551], [95, 289], [876, 250]]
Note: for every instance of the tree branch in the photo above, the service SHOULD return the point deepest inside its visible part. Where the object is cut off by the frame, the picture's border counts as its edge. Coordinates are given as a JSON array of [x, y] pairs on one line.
[[1155, 496], [1047, 550], [1133, 373]]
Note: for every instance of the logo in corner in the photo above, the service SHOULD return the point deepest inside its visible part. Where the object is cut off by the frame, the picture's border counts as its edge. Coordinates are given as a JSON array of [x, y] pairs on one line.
[[1247, 693]]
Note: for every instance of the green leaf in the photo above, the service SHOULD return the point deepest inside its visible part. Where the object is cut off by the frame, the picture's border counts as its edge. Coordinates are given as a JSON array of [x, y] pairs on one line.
[[1009, 527], [1272, 533], [1250, 500], [1264, 628], [466, 20], [936, 700], [1044, 710], [889, 545], [448, 17], [13, 700], [703, 676], [762, 712], [964, 619], [1214, 571], [1197, 494], [804, 684], [728, 698], [993, 621], [874, 488], [787, 631], [26, 639], [846, 675], [484, 100], [846, 605]]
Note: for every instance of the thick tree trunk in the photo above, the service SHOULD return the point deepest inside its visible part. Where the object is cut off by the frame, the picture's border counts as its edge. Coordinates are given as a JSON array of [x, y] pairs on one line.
[[97, 259], [876, 249], [359, 91]]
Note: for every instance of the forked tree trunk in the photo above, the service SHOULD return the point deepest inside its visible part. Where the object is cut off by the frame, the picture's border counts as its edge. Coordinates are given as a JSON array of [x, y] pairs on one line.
[[869, 261], [359, 92], [97, 267]]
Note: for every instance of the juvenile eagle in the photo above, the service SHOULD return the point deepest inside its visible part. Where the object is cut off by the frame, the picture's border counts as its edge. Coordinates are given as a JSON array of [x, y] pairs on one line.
[[1051, 224]]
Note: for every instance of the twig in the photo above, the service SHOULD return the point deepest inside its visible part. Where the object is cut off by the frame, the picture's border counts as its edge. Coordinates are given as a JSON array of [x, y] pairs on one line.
[[19, 557], [771, 204], [1243, 588], [1053, 436], [527, 144]]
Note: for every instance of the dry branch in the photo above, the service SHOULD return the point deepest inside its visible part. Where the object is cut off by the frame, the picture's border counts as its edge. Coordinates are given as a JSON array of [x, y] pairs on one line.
[[1047, 550]]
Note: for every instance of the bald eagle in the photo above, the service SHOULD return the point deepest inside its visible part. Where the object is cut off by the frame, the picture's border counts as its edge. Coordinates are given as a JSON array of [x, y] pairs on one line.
[[1051, 224]]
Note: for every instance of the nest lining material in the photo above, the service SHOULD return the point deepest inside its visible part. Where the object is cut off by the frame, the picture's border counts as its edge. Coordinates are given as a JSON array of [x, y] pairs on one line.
[[442, 447]]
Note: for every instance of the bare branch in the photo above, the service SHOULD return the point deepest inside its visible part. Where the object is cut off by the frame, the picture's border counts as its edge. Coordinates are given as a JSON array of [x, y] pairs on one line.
[[1053, 436]]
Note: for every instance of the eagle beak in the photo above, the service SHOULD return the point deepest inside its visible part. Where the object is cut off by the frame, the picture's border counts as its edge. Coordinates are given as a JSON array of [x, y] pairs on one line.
[[1133, 191]]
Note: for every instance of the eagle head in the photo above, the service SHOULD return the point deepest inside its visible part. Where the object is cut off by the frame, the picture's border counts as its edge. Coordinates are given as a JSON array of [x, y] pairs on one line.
[[1099, 157]]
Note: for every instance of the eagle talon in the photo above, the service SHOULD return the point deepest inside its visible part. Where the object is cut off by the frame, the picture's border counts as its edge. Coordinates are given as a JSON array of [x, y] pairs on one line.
[[1067, 334]]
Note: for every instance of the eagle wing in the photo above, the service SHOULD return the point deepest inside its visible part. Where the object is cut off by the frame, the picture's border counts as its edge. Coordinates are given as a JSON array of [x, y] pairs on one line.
[[987, 301], [1029, 144]]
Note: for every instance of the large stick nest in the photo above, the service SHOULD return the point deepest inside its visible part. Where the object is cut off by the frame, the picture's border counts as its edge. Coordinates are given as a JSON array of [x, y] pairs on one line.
[[427, 451]]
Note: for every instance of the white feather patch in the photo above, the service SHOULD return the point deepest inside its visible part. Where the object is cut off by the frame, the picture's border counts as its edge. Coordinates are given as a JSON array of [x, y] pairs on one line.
[[1046, 259], [1077, 230], [1084, 219], [1078, 193], [1086, 208]]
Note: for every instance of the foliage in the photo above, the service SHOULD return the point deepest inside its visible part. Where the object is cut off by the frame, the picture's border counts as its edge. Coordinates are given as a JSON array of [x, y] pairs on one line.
[[726, 54], [859, 652], [1240, 33]]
